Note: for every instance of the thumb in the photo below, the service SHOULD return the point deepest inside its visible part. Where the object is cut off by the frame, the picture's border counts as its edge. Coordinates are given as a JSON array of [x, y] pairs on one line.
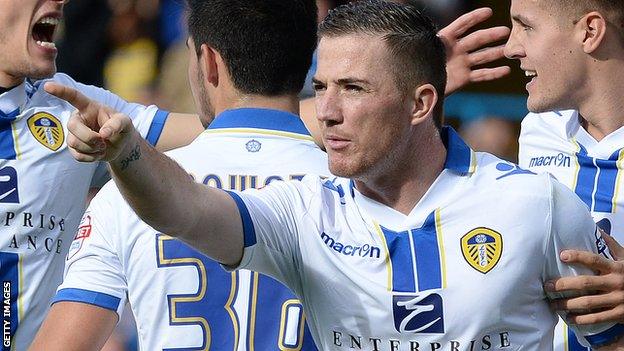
[[116, 125], [617, 251]]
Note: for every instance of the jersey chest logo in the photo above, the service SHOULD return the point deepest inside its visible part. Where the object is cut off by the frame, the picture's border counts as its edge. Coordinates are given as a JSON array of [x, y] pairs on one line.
[[47, 129], [482, 248]]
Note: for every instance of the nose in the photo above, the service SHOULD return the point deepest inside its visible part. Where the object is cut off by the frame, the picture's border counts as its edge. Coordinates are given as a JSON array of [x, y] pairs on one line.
[[327, 107], [513, 48]]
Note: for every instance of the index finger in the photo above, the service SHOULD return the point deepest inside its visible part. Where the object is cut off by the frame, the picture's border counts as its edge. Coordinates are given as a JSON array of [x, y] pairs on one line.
[[466, 21], [483, 37], [584, 284], [68, 94], [590, 260]]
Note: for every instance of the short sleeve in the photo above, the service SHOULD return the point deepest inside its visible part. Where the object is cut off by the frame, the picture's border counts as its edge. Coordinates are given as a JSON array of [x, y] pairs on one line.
[[93, 270], [148, 120], [573, 228], [272, 218]]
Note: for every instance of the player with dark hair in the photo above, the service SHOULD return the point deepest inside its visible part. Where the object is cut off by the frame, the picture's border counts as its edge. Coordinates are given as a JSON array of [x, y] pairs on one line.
[[247, 61], [385, 255]]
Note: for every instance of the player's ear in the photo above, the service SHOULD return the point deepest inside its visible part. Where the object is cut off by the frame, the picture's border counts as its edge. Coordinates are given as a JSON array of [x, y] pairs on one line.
[[424, 101], [209, 64], [593, 27]]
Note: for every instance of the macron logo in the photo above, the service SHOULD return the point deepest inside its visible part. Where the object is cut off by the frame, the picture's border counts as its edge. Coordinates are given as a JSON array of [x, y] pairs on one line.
[[559, 160], [363, 251]]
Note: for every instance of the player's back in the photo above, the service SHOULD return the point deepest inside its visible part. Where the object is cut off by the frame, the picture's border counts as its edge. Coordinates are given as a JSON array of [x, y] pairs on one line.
[[42, 197], [556, 143], [180, 298]]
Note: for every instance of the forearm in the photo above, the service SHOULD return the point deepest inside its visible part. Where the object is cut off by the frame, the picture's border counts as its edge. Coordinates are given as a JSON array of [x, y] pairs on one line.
[[156, 187], [72, 326], [167, 198]]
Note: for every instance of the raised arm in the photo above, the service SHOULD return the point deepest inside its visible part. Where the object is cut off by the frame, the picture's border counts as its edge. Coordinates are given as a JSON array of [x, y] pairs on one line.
[[156, 187]]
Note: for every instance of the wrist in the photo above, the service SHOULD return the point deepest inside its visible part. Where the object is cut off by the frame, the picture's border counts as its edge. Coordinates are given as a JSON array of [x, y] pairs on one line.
[[129, 154]]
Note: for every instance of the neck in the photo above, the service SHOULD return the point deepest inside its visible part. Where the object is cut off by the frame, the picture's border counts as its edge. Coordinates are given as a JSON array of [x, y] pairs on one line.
[[288, 103], [602, 109], [605, 116], [405, 182], [8, 81]]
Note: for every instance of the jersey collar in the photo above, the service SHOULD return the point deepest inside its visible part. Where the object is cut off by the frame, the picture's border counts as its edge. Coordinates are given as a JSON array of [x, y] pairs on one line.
[[459, 157], [263, 119], [603, 149], [11, 101], [460, 164]]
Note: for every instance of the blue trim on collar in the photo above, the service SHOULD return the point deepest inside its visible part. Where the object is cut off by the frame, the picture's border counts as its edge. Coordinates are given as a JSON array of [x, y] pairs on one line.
[[458, 153], [11, 115], [260, 119]]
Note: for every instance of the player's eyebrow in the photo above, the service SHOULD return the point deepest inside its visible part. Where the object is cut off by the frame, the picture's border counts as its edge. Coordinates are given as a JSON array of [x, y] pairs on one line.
[[520, 19], [351, 80], [344, 81]]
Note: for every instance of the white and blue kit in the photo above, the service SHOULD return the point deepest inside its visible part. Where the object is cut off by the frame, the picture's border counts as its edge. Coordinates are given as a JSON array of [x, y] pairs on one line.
[[556, 143], [42, 196], [180, 298], [463, 271]]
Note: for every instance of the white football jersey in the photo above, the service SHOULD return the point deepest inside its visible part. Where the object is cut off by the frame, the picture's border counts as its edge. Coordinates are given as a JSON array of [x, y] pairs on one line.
[[556, 143], [180, 298], [463, 271], [42, 196]]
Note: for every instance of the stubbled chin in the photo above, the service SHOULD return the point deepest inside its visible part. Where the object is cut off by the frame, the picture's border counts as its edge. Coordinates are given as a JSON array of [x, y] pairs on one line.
[[536, 106], [42, 73], [339, 169]]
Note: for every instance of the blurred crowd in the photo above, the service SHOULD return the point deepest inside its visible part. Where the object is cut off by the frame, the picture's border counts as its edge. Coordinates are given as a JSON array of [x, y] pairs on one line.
[[137, 49]]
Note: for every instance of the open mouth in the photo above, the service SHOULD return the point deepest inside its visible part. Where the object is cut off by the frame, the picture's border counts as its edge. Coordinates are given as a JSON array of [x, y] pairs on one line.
[[43, 32], [530, 74]]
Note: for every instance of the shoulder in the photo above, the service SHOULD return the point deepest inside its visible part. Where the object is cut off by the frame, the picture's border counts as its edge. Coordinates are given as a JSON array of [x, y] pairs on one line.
[[303, 194], [507, 177], [60, 78], [35, 88], [91, 91]]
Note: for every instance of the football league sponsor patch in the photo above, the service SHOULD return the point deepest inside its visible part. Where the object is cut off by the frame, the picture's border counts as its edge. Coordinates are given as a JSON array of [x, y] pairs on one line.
[[84, 231]]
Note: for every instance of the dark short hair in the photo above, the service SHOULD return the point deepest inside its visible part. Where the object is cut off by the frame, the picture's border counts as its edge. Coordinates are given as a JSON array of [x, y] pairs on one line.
[[418, 52], [267, 45]]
